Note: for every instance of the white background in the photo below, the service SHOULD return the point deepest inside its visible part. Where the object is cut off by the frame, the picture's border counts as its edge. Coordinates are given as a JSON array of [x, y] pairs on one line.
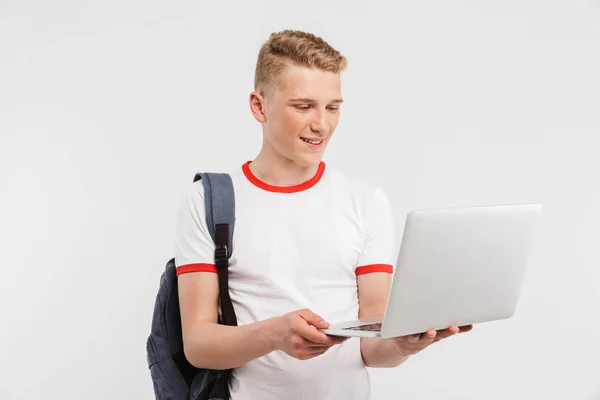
[[108, 108]]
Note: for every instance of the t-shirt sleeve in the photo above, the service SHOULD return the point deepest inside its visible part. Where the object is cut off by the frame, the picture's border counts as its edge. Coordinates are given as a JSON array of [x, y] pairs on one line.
[[378, 249], [194, 247]]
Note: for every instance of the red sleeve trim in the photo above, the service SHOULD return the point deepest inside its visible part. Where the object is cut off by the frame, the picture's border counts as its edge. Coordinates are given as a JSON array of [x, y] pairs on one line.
[[367, 269], [183, 269]]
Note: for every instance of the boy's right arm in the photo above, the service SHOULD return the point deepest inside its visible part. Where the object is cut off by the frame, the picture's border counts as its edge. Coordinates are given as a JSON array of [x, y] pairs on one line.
[[208, 344]]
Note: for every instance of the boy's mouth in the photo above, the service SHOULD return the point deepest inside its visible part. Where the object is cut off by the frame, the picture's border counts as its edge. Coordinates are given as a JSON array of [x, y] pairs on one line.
[[312, 141]]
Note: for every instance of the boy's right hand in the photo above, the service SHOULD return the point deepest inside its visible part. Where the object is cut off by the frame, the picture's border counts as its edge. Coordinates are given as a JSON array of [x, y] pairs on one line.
[[296, 334]]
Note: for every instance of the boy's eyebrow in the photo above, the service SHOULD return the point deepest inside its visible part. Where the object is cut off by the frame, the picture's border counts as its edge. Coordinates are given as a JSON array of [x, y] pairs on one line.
[[307, 100]]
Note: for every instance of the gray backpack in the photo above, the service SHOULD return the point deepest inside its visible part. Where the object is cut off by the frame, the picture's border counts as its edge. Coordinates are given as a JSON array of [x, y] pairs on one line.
[[173, 377]]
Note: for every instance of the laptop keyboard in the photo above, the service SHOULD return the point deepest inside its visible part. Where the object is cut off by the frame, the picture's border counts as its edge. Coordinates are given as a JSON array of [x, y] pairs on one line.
[[370, 327]]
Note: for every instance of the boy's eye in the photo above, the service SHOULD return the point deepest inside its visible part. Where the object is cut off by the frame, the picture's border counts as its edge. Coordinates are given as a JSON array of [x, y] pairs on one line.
[[306, 107]]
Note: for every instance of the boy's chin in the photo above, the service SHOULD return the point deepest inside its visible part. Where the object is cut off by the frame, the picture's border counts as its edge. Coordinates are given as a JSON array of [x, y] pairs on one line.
[[309, 161]]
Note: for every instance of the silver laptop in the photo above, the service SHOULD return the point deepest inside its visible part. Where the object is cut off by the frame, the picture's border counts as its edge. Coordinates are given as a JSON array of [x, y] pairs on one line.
[[456, 266]]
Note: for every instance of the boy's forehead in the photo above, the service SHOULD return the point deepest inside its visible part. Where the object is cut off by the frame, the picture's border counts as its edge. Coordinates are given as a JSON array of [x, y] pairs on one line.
[[309, 83]]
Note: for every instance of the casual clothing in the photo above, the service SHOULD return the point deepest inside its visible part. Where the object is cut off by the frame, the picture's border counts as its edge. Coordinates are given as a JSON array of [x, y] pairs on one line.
[[296, 247]]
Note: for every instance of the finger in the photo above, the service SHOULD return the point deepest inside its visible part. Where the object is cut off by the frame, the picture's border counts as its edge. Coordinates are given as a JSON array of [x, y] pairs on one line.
[[303, 343], [340, 339], [317, 351], [306, 349], [445, 333], [315, 336], [428, 337], [335, 341], [414, 338], [313, 319], [465, 328], [317, 345], [454, 329], [311, 345]]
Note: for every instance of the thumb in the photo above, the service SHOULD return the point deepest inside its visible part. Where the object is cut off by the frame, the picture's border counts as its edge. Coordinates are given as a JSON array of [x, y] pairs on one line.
[[313, 319]]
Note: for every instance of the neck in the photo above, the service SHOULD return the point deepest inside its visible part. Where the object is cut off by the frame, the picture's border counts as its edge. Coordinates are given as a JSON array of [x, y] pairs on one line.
[[277, 170]]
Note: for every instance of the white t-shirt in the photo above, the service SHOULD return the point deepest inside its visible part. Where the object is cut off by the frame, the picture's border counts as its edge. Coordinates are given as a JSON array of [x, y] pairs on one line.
[[295, 247]]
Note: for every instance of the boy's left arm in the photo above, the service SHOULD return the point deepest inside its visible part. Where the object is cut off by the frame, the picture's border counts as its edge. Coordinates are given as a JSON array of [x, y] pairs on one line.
[[374, 277], [372, 297], [372, 293]]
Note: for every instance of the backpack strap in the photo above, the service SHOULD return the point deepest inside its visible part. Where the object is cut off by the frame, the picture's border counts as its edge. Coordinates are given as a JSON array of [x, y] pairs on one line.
[[219, 198]]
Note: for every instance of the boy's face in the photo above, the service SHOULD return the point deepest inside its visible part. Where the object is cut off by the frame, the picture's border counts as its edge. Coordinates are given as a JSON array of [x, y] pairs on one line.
[[301, 114]]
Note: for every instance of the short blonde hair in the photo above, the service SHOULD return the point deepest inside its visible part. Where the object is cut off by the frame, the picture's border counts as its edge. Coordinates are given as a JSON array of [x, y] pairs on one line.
[[296, 48]]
